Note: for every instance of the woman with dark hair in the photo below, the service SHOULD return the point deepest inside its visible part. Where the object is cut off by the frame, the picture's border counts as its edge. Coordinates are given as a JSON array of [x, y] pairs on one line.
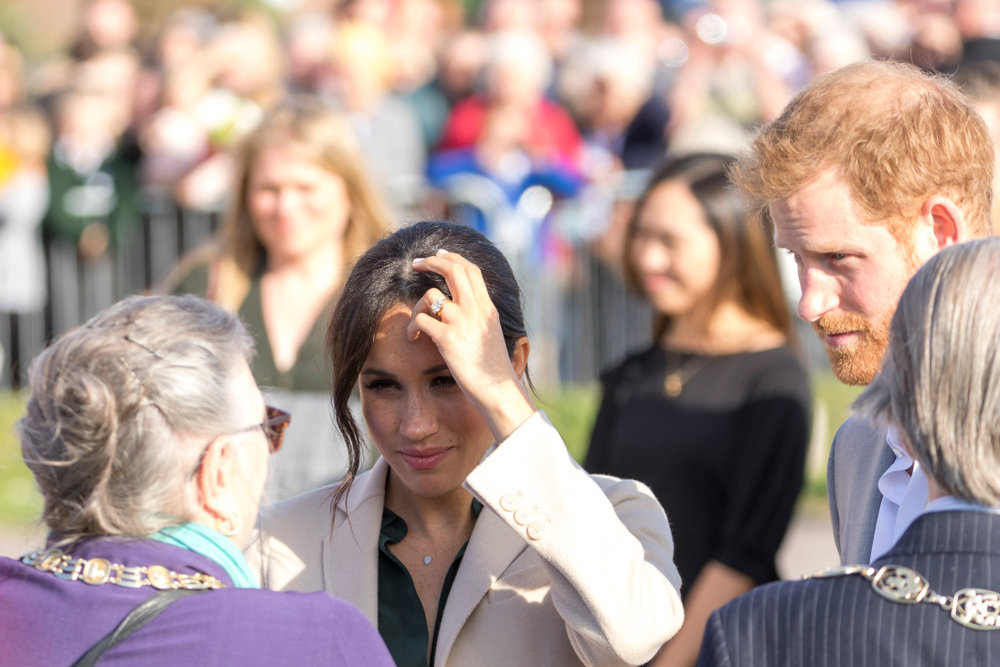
[[466, 552], [714, 415]]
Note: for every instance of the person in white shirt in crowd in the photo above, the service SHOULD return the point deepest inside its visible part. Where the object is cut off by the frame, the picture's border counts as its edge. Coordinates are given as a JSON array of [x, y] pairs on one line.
[[24, 198]]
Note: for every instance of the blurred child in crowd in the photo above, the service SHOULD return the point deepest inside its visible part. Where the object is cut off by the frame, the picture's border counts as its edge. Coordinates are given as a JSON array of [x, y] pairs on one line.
[[93, 191]]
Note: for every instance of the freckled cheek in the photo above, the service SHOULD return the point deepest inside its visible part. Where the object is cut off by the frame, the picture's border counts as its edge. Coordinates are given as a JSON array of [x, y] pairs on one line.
[[382, 421], [469, 423]]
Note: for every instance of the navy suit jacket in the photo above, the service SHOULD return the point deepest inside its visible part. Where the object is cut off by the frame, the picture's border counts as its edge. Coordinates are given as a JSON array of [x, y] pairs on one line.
[[842, 621]]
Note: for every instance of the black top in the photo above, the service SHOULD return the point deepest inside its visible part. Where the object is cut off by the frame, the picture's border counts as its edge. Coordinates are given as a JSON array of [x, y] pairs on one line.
[[725, 457], [401, 620]]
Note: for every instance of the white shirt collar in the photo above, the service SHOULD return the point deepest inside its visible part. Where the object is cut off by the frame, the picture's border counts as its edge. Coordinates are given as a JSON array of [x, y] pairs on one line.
[[904, 496]]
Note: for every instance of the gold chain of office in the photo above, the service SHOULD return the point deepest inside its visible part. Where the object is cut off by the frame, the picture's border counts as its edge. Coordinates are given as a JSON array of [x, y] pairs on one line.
[[972, 607], [97, 571]]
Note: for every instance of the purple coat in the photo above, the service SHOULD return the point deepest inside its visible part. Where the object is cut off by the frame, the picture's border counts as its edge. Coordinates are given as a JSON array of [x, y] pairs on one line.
[[45, 620]]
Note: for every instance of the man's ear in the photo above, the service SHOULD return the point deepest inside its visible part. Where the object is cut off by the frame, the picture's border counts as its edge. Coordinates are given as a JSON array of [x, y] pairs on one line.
[[944, 220], [520, 357]]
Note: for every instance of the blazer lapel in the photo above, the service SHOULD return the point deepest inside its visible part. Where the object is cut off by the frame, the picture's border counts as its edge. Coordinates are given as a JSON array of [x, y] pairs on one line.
[[354, 541], [874, 502], [859, 469], [492, 548]]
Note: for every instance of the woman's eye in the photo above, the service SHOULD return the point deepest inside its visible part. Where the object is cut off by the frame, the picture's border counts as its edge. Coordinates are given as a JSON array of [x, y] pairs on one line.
[[380, 386], [443, 382]]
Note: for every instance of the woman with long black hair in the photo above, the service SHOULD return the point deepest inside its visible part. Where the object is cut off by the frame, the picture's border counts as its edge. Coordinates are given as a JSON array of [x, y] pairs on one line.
[[714, 415]]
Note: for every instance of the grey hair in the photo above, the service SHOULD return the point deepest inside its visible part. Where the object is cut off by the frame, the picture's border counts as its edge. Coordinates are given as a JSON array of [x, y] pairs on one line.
[[522, 49], [116, 409], [940, 381]]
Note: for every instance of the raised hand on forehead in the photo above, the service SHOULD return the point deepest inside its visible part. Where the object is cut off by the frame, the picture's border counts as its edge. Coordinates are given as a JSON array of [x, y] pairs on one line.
[[466, 330]]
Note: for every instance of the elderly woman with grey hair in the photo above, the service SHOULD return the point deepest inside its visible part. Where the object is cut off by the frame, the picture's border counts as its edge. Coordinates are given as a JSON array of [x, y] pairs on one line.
[[940, 380], [149, 441], [929, 599]]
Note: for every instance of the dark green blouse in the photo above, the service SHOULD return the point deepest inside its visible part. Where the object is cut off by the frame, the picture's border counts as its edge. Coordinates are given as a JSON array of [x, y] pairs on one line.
[[401, 620], [310, 372]]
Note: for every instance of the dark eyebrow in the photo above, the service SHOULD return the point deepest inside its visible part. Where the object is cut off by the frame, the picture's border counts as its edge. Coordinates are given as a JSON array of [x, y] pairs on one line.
[[378, 371]]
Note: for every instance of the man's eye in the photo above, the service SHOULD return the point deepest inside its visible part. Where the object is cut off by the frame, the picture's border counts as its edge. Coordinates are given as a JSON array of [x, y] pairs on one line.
[[837, 256], [795, 256]]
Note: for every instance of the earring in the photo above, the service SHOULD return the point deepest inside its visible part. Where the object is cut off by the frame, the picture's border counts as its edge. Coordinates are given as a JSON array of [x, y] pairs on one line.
[[234, 531]]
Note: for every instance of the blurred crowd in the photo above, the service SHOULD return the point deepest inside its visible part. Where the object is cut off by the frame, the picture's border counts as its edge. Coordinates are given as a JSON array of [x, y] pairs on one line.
[[524, 118]]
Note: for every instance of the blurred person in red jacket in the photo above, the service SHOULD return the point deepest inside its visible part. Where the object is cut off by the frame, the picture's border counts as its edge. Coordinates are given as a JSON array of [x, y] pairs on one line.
[[518, 70]]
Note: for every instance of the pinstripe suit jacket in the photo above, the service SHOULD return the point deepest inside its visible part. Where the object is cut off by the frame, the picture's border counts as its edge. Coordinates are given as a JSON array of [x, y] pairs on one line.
[[842, 621]]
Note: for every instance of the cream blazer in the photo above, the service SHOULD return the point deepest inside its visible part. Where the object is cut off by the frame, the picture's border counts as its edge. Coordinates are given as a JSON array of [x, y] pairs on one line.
[[563, 567]]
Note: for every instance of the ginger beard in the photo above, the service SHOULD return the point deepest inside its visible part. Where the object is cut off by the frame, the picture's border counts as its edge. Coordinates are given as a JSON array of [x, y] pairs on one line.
[[856, 364]]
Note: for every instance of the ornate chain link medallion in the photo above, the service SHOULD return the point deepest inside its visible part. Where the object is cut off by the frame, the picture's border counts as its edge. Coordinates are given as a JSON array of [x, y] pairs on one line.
[[974, 608], [97, 571]]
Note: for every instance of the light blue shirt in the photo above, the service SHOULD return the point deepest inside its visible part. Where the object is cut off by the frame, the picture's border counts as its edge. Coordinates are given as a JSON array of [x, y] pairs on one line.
[[953, 504], [904, 497]]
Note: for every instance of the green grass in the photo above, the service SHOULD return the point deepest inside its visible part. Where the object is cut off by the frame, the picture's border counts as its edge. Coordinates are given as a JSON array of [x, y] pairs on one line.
[[20, 502], [572, 411], [831, 408]]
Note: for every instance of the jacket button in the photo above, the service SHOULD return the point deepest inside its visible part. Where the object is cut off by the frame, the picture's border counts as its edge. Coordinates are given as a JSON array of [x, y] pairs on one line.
[[536, 531], [523, 517], [510, 502]]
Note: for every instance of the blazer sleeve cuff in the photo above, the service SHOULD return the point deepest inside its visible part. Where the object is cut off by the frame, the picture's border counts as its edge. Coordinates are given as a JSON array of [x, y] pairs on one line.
[[606, 542]]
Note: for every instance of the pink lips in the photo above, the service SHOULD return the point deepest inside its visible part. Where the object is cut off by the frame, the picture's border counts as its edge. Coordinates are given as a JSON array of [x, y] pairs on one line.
[[839, 339], [421, 459], [653, 283]]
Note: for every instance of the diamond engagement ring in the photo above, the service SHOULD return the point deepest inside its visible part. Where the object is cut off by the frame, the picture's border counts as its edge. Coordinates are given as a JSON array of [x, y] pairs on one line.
[[437, 306]]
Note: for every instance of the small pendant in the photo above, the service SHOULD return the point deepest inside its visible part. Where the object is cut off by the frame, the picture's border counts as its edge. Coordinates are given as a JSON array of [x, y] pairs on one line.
[[427, 560], [673, 385]]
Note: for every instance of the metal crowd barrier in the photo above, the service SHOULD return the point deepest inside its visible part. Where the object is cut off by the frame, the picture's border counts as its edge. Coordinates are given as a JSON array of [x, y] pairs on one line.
[[78, 290], [580, 317]]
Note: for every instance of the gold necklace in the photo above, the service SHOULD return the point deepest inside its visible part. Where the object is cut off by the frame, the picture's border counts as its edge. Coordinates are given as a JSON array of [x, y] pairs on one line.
[[427, 559], [673, 385], [97, 571]]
